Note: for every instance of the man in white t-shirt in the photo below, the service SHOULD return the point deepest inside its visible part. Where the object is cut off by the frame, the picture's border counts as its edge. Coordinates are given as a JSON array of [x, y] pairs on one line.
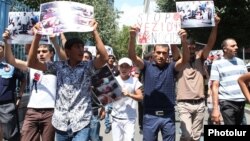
[[37, 122], [124, 110]]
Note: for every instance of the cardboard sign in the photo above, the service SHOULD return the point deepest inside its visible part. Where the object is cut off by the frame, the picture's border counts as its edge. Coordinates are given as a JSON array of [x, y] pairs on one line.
[[196, 13], [65, 16], [20, 27], [105, 86], [159, 28]]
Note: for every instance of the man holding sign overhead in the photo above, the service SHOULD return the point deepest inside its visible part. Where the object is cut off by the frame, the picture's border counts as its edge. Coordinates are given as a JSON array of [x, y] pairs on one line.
[[72, 111], [159, 86], [190, 89]]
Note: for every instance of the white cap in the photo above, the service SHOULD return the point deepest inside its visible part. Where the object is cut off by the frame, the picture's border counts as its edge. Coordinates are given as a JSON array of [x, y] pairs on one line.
[[125, 60]]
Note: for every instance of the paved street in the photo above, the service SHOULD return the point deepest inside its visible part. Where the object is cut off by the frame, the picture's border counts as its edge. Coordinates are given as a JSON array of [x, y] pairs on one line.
[[138, 137]]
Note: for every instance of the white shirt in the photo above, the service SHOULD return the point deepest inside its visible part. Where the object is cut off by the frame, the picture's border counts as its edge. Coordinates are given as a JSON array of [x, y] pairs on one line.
[[44, 95], [125, 108]]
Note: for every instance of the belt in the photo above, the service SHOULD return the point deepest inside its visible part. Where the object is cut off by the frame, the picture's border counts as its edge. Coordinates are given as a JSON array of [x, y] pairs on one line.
[[41, 109], [192, 101], [156, 112], [6, 102], [119, 118]]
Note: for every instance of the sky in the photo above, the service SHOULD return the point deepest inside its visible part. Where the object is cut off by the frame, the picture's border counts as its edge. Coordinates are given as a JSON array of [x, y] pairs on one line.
[[130, 8]]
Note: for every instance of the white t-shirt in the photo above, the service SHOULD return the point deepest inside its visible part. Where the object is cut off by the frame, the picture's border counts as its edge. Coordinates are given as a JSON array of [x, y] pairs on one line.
[[44, 93], [125, 108]]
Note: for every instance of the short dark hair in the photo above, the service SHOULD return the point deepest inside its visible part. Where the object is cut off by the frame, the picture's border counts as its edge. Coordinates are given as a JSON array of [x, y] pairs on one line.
[[224, 42], [50, 48], [191, 41], [69, 43], [89, 53], [112, 56]]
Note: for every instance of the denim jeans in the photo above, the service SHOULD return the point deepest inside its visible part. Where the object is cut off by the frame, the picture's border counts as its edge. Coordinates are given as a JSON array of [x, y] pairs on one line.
[[94, 128], [108, 111], [82, 135], [9, 122]]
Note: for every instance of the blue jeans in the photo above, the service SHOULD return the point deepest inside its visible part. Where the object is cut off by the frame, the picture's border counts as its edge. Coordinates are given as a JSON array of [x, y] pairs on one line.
[[94, 128], [108, 111], [82, 135], [153, 124], [9, 121]]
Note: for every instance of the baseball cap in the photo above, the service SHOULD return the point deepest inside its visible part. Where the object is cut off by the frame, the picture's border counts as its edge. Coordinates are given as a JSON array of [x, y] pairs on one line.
[[125, 60], [2, 43]]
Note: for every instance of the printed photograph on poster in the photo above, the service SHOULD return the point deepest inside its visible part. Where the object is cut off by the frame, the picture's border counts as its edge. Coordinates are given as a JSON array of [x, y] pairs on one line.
[[196, 13], [54, 19], [105, 86], [158, 28], [20, 25]]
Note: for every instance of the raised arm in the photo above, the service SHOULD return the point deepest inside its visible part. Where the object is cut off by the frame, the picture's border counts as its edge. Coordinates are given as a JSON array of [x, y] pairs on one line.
[[131, 48], [102, 58], [185, 51], [244, 85], [33, 61], [20, 64], [175, 52], [60, 52], [63, 39], [211, 40]]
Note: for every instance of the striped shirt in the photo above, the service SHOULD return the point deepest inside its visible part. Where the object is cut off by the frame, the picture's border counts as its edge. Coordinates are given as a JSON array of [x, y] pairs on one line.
[[227, 72]]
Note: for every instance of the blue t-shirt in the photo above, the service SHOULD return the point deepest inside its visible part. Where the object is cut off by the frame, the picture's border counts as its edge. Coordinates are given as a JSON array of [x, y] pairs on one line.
[[8, 76], [159, 86]]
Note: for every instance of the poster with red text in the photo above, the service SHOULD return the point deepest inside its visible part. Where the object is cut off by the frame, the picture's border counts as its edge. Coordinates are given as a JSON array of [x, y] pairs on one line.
[[159, 28]]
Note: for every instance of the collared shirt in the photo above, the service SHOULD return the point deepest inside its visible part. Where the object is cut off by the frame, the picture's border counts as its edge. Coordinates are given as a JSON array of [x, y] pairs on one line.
[[159, 86], [73, 99]]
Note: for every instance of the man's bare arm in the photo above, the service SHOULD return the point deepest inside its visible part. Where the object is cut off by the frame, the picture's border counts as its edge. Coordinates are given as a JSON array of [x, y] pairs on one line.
[[131, 49]]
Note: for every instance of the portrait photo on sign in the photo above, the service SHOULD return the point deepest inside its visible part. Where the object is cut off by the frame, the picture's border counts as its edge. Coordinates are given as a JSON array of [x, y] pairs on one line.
[[105, 86]]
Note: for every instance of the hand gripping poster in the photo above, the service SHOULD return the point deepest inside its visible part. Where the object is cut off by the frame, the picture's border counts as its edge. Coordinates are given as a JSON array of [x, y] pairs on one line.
[[105, 87], [65, 16]]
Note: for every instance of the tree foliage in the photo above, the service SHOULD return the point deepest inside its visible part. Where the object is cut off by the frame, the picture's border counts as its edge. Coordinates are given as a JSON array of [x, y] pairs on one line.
[[234, 21], [121, 44]]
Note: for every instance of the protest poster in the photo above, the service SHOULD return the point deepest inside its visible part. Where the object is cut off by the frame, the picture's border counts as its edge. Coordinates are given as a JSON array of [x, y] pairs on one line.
[[158, 28], [196, 13], [65, 16], [20, 26], [105, 86]]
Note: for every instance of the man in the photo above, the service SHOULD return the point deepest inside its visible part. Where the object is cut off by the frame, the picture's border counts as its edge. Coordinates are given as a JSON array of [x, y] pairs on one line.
[[124, 110], [190, 89], [72, 112], [41, 104], [94, 133], [8, 108], [226, 92], [159, 87], [108, 108]]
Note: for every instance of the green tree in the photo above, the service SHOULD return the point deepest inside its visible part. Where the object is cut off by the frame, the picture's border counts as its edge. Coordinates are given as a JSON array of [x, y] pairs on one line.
[[234, 21], [121, 43]]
